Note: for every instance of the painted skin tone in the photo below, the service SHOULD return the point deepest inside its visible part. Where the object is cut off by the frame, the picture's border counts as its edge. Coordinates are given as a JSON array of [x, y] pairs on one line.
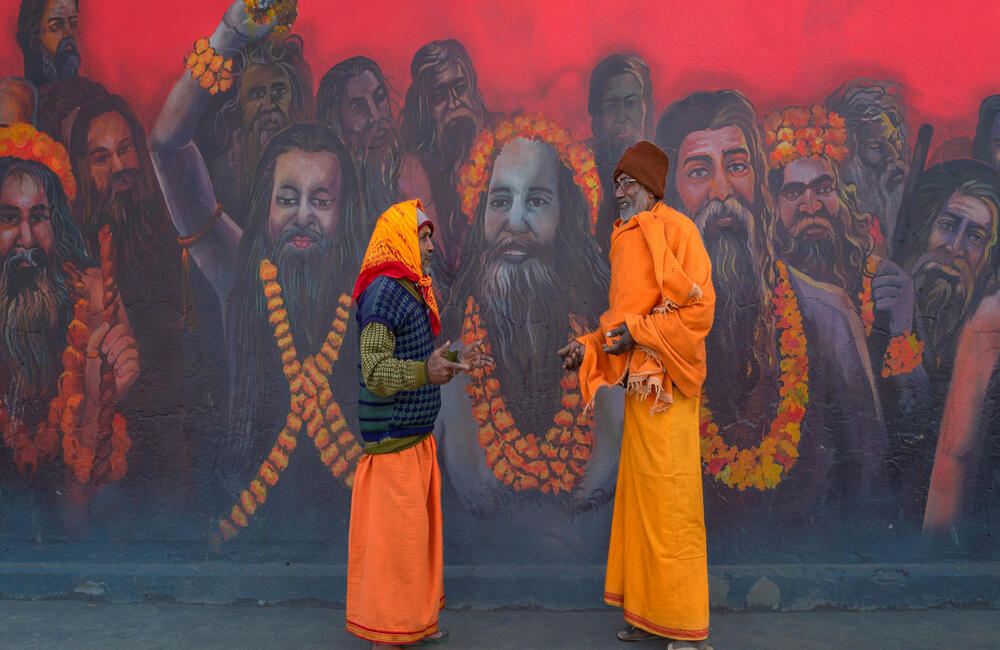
[[522, 202], [714, 165], [110, 149], [58, 22], [623, 112], [17, 102], [266, 102]]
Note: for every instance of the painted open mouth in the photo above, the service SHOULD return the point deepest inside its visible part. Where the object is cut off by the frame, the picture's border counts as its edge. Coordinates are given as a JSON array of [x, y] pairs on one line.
[[514, 253]]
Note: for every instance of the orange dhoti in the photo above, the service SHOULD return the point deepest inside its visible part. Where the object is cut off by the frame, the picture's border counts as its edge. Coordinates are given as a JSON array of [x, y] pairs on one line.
[[395, 585], [657, 562]]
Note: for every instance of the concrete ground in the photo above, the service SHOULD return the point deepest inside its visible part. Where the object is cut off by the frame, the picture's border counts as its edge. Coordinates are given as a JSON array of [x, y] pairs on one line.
[[52, 624]]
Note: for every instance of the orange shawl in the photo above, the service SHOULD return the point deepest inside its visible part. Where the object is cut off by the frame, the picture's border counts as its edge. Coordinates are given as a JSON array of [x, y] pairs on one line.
[[661, 287], [395, 252]]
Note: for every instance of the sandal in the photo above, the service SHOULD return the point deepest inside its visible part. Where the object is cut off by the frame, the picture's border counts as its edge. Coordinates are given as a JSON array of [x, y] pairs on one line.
[[430, 640], [636, 634]]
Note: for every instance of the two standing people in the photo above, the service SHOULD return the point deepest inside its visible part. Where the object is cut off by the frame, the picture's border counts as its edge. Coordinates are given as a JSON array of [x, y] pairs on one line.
[[651, 340]]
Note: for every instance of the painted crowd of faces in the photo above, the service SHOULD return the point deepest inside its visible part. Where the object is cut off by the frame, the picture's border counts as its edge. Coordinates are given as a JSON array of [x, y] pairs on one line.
[[301, 176]]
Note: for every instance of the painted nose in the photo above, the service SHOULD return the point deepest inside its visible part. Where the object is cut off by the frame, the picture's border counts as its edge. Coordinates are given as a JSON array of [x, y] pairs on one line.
[[26, 236], [116, 164], [720, 189], [811, 202]]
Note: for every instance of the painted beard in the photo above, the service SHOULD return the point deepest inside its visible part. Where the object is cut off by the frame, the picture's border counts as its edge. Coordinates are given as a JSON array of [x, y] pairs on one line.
[[880, 192], [33, 300], [455, 135], [128, 205], [308, 280], [815, 247], [725, 226], [377, 158], [65, 64], [943, 289], [525, 313]]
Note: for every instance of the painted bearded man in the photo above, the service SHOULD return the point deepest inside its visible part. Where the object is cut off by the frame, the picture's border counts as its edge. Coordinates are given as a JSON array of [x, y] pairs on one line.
[[827, 244], [879, 157], [67, 354], [532, 278], [620, 104], [719, 178], [120, 212], [443, 112], [272, 88], [284, 283], [46, 32], [354, 100], [953, 256]]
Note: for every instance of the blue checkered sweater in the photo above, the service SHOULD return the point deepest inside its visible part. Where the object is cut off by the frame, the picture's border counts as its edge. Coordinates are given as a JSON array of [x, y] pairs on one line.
[[407, 413]]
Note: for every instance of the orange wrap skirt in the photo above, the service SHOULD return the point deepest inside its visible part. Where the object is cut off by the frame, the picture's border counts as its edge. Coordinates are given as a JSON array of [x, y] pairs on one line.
[[395, 584], [657, 561]]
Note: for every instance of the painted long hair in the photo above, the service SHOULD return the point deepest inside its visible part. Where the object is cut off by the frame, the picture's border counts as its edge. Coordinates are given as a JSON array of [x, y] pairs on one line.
[[256, 374], [706, 110]]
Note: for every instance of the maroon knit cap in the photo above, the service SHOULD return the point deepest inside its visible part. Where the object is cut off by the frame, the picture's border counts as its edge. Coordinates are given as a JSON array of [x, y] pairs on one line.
[[646, 163]]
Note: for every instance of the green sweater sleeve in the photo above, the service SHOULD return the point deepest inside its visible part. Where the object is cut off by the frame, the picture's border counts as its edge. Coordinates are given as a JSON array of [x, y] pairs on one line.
[[385, 375]]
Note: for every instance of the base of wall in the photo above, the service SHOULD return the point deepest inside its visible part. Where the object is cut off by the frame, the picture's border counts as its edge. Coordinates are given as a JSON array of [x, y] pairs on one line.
[[779, 587]]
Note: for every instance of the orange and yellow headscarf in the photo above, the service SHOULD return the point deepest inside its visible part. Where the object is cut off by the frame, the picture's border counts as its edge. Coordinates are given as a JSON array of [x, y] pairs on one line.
[[394, 252]]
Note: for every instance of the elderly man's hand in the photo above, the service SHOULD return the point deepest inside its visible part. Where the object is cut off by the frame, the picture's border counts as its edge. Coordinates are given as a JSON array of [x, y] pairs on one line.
[[624, 343], [572, 355]]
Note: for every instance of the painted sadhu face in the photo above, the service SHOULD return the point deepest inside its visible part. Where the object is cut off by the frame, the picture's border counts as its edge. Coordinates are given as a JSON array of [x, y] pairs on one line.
[[522, 202], [623, 113], [58, 27], [715, 180], [266, 103], [111, 152], [305, 201], [808, 201], [25, 221], [959, 239], [366, 115]]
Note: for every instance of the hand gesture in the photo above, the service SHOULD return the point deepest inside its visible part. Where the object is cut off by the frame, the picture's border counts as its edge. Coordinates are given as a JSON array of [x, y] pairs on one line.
[[624, 343], [572, 355], [473, 355], [439, 369], [112, 344], [237, 19], [892, 293]]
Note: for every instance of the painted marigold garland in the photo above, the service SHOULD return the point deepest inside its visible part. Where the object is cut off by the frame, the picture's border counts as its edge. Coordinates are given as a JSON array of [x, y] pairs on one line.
[[311, 404], [763, 466], [66, 410], [474, 177], [551, 463]]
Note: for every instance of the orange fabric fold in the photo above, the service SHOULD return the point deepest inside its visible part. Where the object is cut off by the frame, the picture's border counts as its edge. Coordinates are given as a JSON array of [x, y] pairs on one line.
[[661, 287], [394, 251]]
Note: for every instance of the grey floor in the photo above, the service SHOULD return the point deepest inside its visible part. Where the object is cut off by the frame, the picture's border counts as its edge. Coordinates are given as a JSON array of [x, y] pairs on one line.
[[75, 624]]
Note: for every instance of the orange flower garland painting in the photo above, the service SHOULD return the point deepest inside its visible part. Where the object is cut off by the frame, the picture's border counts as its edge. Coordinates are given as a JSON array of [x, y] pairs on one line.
[[474, 177], [553, 462], [763, 467], [311, 405]]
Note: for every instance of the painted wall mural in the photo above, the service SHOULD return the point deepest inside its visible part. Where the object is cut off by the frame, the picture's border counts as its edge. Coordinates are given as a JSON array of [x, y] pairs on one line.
[[181, 224]]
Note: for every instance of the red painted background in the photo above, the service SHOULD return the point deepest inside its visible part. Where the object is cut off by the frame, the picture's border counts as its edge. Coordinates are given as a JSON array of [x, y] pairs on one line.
[[538, 55]]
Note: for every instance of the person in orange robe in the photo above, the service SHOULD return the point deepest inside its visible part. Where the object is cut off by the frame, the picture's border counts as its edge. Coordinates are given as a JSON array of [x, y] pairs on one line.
[[652, 341]]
